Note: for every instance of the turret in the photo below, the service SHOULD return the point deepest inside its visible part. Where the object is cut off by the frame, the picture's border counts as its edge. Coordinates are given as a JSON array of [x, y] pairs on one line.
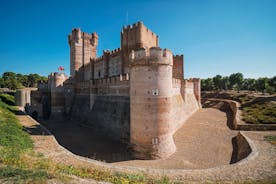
[[83, 48], [151, 114], [133, 37], [55, 86]]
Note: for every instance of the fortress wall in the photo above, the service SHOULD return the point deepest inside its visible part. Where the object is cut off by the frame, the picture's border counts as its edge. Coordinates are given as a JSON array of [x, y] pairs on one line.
[[115, 64], [183, 101], [178, 71], [100, 68], [104, 105], [87, 71]]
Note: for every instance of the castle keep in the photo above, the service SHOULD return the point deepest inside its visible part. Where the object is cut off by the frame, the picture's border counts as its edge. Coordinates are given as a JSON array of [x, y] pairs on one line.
[[136, 93]]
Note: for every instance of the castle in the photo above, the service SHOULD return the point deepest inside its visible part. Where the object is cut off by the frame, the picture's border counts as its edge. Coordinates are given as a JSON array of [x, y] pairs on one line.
[[136, 93]]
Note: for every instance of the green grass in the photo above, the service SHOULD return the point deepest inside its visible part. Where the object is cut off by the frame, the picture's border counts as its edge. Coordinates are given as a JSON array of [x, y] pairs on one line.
[[260, 113]]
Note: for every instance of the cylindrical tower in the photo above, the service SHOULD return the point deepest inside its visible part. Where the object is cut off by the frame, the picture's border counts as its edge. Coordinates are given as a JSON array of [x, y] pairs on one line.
[[150, 103], [20, 97], [55, 82]]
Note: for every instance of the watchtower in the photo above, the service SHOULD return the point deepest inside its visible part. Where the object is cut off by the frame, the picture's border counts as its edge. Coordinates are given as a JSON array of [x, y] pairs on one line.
[[151, 111], [83, 48], [133, 37]]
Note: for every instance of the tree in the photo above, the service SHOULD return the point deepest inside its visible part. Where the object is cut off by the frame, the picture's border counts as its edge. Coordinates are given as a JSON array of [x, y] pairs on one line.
[[262, 84], [33, 79], [207, 84], [249, 84], [10, 80], [236, 80], [225, 83], [217, 80], [272, 83], [1, 82]]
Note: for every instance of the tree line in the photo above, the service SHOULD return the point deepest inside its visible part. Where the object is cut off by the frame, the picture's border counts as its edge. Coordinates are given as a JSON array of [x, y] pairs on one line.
[[236, 81], [13, 80]]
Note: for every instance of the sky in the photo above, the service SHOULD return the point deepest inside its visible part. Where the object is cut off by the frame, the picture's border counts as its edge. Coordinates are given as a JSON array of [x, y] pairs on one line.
[[215, 36]]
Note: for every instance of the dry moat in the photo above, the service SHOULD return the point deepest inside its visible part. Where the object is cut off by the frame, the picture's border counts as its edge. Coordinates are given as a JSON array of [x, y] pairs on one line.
[[204, 141]]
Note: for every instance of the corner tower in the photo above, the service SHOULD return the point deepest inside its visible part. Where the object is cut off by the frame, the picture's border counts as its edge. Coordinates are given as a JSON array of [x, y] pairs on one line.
[[83, 48], [151, 111], [133, 37]]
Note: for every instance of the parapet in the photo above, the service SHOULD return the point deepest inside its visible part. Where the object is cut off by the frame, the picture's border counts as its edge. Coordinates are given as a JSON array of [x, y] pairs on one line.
[[154, 55], [133, 26], [77, 35], [115, 52], [178, 56], [56, 79]]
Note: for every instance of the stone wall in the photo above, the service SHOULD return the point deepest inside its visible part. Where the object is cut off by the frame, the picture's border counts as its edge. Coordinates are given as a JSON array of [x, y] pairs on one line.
[[106, 113], [115, 63], [103, 104], [178, 70]]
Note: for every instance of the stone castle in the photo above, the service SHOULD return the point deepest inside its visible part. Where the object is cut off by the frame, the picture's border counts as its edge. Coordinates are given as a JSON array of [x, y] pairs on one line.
[[136, 93]]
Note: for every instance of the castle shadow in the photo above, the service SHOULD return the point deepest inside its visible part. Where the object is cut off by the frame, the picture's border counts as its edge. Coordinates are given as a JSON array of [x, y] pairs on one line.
[[88, 141], [36, 130]]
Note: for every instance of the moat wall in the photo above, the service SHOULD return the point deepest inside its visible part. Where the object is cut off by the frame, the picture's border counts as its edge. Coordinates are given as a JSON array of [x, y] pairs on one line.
[[103, 104], [108, 114]]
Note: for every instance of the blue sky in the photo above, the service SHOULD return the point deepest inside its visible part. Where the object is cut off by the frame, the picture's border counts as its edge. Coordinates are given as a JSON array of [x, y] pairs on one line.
[[215, 36]]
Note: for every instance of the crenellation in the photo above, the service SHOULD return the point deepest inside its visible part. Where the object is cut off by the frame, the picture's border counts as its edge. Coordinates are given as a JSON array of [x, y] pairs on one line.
[[153, 55]]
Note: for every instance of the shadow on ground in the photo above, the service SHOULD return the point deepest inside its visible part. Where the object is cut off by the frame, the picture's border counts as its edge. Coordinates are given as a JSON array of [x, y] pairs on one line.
[[88, 142]]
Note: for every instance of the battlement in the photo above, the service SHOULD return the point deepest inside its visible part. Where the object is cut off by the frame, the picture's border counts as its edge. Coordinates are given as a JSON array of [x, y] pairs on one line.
[[98, 59], [133, 26], [178, 56], [56, 75], [176, 83], [115, 52], [77, 35], [153, 55]]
